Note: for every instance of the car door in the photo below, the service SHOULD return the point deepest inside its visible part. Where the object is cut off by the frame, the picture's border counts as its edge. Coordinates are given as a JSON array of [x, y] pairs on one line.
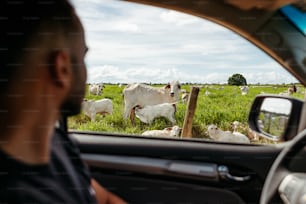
[[150, 170], [194, 169]]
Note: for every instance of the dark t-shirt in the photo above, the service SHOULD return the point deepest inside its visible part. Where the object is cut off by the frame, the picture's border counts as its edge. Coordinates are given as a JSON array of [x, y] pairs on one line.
[[65, 179]]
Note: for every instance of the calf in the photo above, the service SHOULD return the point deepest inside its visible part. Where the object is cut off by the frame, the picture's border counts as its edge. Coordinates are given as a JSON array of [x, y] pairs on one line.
[[91, 107], [167, 132], [149, 112], [142, 95], [226, 136]]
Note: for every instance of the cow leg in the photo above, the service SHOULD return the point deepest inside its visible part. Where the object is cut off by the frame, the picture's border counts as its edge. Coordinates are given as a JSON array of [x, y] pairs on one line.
[[173, 121], [93, 117], [127, 111]]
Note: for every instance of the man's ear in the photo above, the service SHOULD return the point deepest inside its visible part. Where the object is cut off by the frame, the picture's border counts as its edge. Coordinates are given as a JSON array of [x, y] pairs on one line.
[[61, 69]]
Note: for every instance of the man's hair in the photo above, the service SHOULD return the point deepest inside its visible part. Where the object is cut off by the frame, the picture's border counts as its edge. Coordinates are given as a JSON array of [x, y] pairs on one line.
[[24, 21]]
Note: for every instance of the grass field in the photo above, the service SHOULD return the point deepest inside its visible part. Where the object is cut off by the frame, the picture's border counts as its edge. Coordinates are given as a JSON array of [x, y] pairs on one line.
[[223, 105]]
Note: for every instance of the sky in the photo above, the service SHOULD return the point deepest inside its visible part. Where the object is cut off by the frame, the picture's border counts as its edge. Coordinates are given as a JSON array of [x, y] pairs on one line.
[[130, 43]]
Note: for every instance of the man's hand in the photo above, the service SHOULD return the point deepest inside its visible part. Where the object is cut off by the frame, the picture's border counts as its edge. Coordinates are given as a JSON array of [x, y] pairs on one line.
[[104, 196]]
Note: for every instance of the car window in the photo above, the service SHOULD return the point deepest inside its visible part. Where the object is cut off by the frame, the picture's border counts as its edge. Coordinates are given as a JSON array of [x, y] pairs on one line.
[[131, 43]]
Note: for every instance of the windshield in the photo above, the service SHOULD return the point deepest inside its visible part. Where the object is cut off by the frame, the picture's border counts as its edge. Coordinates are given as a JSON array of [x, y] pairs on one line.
[[296, 16]]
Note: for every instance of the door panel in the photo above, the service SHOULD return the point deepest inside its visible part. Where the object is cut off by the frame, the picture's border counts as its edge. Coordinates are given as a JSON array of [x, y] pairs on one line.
[[156, 170], [136, 189]]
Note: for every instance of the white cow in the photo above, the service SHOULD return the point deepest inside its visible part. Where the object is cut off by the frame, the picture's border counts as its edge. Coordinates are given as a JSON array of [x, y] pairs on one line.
[[91, 107], [184, 96], [292, 89], [149, 112], [244, 90], [142, 95], [289, 91], [96, 89], [226, 136], [167, 132]]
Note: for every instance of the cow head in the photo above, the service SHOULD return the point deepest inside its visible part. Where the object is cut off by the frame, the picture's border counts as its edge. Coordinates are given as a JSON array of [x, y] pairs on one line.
[[175, 130], [174, 89]]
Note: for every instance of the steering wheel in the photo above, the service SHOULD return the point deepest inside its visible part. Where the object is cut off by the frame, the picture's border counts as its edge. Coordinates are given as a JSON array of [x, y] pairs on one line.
[[291, 186]]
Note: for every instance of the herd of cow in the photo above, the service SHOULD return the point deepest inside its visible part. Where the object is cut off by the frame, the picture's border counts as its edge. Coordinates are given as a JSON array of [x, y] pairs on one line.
[[147, 103], [140, 100]]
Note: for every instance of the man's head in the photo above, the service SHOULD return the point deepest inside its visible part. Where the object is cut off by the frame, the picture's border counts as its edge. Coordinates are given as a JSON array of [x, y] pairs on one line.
[[42, 51]]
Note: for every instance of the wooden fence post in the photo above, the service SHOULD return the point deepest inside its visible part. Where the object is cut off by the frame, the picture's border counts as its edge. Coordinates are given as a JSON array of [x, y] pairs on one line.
[[190, 110]]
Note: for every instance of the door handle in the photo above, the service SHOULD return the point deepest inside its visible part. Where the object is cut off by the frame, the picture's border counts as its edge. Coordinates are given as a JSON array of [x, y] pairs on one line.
[[224, 174]]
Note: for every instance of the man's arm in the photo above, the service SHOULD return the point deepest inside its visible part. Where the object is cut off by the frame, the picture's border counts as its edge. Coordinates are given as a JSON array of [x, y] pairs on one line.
[[104, 196]]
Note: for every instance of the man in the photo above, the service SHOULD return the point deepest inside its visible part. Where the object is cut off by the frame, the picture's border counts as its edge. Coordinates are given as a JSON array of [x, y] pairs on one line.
[[42, 76]]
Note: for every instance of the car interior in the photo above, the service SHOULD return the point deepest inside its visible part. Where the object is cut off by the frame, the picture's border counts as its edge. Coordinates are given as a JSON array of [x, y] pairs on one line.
[[169, 170]]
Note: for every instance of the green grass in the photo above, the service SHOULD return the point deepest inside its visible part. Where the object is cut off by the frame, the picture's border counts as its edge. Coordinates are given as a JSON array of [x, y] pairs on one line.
[[222, 106]]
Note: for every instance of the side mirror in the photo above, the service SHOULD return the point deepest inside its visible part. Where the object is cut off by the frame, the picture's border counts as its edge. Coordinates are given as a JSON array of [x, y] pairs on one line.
[[275, 117]]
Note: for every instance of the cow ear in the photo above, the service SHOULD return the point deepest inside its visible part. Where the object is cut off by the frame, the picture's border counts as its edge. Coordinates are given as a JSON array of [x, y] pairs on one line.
[[136, 107], [168, 128], [167, 86]]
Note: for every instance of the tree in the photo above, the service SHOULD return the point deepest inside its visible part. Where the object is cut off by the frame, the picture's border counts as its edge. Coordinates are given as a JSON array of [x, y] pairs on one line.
[[237, 79]]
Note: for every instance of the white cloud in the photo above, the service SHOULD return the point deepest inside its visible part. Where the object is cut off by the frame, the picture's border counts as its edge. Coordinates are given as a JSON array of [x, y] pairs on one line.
[[127, 27], [177, 18]]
